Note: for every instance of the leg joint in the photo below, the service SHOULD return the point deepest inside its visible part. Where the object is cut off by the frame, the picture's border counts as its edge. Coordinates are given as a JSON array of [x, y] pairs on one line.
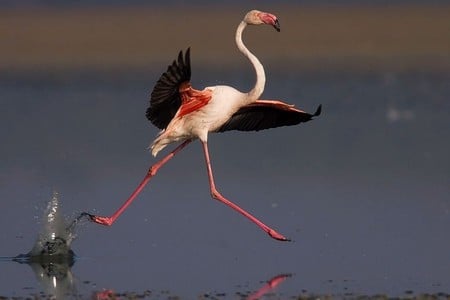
[[215, 194], [152, 171]]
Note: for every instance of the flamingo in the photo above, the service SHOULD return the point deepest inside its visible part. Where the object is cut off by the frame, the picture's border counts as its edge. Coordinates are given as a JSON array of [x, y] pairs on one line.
[[185, 114]]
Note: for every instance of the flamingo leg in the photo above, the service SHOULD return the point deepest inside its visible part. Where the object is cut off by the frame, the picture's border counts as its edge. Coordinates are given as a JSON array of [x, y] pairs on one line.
[[108, 221], [216, 195]]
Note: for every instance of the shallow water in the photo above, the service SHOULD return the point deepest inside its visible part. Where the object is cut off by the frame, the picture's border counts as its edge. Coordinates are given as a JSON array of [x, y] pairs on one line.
[[362, 190]]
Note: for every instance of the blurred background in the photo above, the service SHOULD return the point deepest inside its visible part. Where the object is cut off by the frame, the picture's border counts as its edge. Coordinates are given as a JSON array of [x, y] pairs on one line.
[[324, 35], [363, 190]]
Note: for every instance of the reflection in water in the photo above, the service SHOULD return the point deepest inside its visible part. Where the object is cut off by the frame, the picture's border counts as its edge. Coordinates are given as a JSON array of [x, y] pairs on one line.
[[55, 277], [51, 259], [269, 286]]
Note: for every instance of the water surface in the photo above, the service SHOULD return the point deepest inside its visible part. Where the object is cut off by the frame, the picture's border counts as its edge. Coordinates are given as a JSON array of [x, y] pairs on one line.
[[362, 190]]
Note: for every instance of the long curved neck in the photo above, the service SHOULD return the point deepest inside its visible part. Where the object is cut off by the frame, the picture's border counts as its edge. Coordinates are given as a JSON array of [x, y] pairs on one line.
[[259, 69]]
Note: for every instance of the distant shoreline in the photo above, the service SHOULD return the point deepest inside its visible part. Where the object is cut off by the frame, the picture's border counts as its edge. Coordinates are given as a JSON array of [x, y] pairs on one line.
[[316, 37]]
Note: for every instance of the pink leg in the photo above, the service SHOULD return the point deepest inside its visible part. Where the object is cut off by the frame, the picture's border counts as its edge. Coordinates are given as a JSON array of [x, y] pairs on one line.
[[108, 221], [216, 195]]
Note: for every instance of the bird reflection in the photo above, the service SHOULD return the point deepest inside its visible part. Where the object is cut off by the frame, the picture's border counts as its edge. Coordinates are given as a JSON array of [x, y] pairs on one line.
[[269, 286]]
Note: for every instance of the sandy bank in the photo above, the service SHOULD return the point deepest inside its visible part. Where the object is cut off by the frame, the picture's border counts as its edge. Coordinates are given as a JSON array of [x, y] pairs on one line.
[[397, 38]]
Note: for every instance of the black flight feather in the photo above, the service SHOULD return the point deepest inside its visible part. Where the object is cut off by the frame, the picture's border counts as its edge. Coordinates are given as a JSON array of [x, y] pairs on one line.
[[165, 98], [259, 116]]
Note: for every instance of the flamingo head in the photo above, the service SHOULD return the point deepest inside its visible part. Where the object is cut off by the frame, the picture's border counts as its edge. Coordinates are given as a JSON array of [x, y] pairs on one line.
[[256, 17]]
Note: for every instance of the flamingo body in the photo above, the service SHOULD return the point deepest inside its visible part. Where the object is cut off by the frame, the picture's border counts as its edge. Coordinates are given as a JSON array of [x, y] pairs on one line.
[[215, 109], [185, 114], [223, 103]]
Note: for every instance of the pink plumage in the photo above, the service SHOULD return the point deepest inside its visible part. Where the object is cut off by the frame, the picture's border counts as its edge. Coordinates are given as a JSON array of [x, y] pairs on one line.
[[185, 114]]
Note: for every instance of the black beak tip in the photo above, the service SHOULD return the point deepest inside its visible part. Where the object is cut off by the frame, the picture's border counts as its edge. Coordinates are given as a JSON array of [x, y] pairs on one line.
[[277, 26]]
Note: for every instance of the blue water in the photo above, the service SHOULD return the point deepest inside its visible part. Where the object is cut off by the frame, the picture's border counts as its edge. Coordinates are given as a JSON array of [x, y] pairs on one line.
[[363, 190]]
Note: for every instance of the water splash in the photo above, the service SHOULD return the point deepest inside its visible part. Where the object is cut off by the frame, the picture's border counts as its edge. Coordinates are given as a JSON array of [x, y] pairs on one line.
[[53, 242], [51, 257]]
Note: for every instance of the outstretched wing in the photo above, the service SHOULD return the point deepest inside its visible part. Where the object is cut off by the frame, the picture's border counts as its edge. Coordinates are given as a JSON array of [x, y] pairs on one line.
[[165, 98], [265, 114]]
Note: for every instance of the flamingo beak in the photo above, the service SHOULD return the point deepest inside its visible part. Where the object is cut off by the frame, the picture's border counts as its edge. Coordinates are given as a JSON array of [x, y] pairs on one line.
[[276, 25]]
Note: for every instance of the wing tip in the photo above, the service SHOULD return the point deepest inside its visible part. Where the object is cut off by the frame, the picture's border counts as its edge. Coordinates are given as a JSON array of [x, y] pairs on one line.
[[184, 62], [187, 61], [318, 111], [164, 98]]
